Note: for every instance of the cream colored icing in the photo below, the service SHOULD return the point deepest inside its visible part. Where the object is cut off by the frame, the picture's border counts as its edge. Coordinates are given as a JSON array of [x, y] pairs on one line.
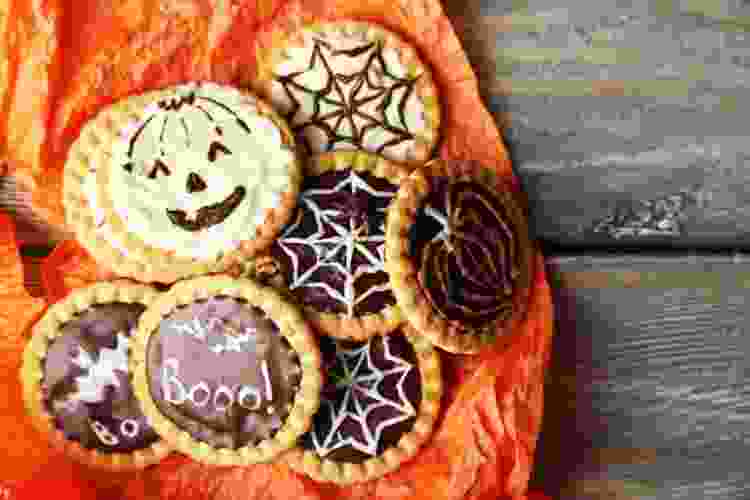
[[316, 78], [100, 222], [259, 162]]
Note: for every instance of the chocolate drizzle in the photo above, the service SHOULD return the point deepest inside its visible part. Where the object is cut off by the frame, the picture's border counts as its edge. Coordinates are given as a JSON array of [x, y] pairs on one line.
[[221, 371], [332, 252], [206, 216], [370, 400], [467, 251], [210, 215], [86, 386], [350, 94]]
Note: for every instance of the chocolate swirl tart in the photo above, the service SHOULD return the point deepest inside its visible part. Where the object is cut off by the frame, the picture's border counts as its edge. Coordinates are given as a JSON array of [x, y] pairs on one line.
[[349, 85], [458, 254], [227, 371], [76, 377], [182, 181], [378, 407], [330, 257]]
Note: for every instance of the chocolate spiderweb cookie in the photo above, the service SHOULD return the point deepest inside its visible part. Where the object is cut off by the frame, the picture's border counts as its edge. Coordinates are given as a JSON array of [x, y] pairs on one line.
[[228, 372], [331, 256], [375, 394], [353, 85], [458, 255], [79, 389]]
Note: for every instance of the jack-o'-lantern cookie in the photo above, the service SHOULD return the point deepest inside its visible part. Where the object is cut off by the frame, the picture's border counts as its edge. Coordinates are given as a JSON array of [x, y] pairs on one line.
[[226, 370], [458, 254], [353, 85], [378, 407], [330, 257], [181, 181], [76, 377]]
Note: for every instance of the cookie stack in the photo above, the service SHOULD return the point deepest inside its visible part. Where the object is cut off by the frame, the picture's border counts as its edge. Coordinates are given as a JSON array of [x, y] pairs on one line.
[[311, 258]]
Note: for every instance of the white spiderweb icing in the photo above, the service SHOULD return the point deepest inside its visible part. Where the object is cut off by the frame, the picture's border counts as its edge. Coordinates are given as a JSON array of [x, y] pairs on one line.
[[360, 392], [336, 235]]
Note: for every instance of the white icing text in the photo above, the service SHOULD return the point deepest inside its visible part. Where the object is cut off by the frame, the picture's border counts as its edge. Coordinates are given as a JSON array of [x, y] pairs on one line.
[[128, 428], [176, 392]]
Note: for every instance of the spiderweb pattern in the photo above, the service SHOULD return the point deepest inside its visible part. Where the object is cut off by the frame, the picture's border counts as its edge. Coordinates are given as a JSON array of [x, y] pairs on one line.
[[353, 110], [331, 246], [359, 393]]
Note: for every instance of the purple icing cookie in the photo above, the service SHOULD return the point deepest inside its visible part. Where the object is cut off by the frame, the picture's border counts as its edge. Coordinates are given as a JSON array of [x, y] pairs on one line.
[[220, 370], [86, 384], [370, 400]]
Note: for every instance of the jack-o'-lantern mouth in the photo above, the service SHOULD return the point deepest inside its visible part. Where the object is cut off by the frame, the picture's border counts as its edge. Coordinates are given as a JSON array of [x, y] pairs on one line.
[[209, 215]]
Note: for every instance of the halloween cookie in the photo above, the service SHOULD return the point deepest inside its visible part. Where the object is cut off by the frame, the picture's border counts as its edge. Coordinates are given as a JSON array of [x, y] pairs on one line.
[[378, 406], [331, 255], [226, 370], [353, 85], [181, 181], [458, 254], [76, 377]]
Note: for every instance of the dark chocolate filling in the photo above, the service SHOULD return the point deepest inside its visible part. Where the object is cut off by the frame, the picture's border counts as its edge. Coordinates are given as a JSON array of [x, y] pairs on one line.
[[357, 213], [206, 372], [469, 274], [210, 215], [350, 106], [111, 421], [357, 385]]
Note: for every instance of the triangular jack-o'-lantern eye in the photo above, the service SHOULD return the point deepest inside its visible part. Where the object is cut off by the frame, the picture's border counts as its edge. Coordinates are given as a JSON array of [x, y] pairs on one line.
[[195, 183]]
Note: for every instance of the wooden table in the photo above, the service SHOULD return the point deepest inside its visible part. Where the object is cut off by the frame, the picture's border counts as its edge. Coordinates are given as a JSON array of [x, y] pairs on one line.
[[624, 123], [647, 393]]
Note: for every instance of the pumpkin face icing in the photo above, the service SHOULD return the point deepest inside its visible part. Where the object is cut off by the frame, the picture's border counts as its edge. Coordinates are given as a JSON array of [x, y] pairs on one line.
[[195, 174]]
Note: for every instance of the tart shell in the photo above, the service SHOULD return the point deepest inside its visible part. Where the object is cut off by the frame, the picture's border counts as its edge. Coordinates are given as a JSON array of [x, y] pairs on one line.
[[339, 325], [32, 373], [144, 262], [325, 470], [452, 335], [291, 325], [425, 89]]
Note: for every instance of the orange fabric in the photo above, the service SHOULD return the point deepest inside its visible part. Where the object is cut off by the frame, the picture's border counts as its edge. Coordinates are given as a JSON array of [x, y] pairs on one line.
[[24, 451], [483, 446], [92, 53]]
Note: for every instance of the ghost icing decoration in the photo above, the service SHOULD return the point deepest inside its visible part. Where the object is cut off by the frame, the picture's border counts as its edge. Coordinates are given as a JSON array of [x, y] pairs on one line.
[[196, 172]]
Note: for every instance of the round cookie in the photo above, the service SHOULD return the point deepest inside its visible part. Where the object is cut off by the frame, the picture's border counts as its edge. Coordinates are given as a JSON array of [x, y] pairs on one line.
[[226, 370], [459, 254], [331, 255], [77, 381], [181, 181], [353, 85], [377, 408]]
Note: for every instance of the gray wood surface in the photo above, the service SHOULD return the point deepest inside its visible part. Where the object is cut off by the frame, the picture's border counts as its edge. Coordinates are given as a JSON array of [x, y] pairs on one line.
[[651, 359], [626, 120]]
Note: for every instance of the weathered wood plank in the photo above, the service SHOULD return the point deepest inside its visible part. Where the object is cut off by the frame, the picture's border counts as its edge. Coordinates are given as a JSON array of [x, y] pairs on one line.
[[651, 355], [624, 119]]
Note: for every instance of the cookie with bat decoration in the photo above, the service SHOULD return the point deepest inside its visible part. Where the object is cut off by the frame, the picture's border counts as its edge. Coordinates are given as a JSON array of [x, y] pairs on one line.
[[76, 377]]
